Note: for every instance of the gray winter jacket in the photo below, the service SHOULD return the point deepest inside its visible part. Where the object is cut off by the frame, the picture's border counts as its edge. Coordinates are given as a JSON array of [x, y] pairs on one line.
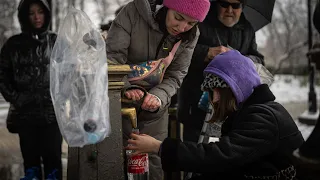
[[135, 36]]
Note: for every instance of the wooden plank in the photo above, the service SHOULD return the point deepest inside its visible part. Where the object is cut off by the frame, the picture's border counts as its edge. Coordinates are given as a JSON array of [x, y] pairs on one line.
[[110, 161]]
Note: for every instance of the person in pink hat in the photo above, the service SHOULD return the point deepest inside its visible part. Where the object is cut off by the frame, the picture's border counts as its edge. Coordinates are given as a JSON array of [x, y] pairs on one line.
[[145, 30]]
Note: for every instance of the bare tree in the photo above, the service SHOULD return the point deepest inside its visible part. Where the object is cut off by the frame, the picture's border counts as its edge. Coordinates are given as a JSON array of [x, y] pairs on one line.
[[82, 4], [59, 11], [71, 3], [287, 35], [104, 8], [7, 14]]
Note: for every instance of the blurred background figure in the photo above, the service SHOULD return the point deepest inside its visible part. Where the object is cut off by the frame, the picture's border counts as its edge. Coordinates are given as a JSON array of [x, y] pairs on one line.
[[24, 83]]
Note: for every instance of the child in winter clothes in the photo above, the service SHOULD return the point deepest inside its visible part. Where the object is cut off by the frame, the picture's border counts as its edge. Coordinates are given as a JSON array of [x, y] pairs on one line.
[[258, 134]]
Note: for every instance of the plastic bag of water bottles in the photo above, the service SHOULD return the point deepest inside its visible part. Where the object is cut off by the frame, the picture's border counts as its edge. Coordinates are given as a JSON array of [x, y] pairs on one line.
[[79, 81]]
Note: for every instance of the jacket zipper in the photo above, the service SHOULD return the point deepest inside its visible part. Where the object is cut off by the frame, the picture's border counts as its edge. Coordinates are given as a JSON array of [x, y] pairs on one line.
[[160, 45]]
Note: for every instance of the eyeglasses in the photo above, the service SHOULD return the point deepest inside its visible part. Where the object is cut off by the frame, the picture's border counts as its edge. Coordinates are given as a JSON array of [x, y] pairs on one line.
[[225, 4]]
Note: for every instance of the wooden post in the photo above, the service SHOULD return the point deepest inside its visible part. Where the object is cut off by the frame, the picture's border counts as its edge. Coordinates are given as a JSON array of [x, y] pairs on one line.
[[104, 160]]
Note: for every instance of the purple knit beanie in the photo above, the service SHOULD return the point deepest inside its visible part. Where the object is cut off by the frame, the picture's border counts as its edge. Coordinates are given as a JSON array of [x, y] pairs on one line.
[[237, 71], [197, 9]]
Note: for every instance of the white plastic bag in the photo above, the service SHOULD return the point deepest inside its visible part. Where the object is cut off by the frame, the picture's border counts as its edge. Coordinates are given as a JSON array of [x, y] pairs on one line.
[[79, 81]]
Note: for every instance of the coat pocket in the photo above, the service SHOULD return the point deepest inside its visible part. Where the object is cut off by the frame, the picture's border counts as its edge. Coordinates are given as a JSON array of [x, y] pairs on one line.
[[12, 121]]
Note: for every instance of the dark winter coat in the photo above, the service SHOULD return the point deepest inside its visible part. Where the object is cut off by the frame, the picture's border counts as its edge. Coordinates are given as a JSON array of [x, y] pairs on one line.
[[24, 71], [257, 140], [213, 33]]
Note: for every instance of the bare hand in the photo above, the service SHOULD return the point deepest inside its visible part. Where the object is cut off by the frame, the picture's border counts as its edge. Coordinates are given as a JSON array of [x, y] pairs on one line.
[[214, 51], [150, 103], [134, 94], [143, 144]]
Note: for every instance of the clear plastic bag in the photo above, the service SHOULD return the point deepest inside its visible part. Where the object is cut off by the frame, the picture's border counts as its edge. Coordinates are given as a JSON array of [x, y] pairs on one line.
[[79, 81]]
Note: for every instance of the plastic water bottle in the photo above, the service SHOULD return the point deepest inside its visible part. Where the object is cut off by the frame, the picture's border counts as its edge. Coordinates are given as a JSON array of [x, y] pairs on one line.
[[204, 101]]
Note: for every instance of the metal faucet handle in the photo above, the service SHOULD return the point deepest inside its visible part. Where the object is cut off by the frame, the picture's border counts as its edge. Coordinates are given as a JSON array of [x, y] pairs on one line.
[[132, 114]]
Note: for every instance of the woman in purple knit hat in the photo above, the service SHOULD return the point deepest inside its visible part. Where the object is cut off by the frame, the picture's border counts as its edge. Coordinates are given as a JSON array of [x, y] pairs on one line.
[[147, 30], [258, 134]]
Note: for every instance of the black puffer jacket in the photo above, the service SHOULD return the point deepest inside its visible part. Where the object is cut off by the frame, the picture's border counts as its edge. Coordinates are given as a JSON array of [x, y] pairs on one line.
[[24, 70], [257, 140]]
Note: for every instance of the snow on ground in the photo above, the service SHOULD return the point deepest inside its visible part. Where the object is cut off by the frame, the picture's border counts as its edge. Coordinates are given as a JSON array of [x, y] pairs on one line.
[[288, 88]]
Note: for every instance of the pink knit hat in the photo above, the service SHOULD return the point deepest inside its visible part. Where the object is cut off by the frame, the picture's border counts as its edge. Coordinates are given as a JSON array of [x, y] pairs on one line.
[[197, 9]]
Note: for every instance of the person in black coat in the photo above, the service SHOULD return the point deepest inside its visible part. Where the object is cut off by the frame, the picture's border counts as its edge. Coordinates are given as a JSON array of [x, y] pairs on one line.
[[24, 83], [218, 33], [258, 134]]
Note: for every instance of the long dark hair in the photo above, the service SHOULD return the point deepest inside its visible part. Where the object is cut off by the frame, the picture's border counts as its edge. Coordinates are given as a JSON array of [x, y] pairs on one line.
[[225, 106], [23, 15], [161, 19]]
